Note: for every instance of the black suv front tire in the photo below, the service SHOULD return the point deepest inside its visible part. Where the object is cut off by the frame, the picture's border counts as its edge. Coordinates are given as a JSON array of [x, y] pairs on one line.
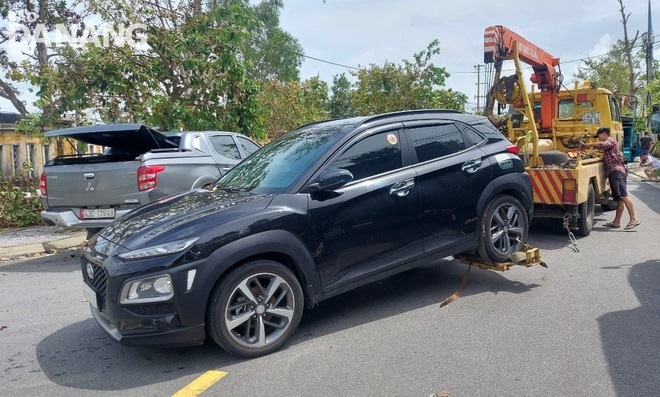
[[255, 309]]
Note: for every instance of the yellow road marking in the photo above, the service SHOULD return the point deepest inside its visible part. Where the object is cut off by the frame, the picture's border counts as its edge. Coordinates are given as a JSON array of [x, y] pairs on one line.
[[199, 385]]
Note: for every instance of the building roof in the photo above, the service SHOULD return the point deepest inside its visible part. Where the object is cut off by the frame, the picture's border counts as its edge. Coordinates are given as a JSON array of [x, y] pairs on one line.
[[10, 118]]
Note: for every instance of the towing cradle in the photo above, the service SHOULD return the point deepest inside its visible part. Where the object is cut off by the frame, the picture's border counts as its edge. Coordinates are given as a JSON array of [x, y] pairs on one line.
[[529, 256]]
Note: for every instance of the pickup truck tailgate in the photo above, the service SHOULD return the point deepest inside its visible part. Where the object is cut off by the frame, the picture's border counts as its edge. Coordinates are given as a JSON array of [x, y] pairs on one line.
[[102, 185]]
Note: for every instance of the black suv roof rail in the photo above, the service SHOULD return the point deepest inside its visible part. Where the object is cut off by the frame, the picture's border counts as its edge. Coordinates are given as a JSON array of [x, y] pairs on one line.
[[408, 113]]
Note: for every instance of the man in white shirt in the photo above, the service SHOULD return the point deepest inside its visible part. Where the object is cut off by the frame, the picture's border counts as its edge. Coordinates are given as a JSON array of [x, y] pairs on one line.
[[650, 165]]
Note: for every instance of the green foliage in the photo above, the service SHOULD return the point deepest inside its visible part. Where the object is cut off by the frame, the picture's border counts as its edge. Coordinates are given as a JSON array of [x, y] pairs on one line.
[[340, 105], [639, 124], [39, 58], [16, 210], [288, 105], [190, 76], [271, 52], [412, 85], [611, 71]]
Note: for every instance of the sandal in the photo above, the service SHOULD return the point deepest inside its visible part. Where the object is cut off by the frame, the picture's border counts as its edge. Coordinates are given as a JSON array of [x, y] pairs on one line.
[[632, 225], [612, 225]]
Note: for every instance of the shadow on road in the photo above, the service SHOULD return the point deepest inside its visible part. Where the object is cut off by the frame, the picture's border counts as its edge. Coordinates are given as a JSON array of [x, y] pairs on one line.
[[425, 286], [649, 195], [81, 356], [62, 262], [631, 338]]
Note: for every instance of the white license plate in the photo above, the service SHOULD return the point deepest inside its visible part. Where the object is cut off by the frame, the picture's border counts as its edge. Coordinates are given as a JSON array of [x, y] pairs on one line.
[[97, 213], [90, 295]]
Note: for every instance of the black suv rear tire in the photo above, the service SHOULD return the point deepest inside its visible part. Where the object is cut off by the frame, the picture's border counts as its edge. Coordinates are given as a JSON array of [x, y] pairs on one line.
[[503, 229]]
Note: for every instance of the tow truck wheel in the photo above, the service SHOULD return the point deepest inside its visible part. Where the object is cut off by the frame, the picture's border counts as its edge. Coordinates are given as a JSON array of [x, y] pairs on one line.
[[586, 210], [553, 157], [255, 309], [503, 229], [609, 206]]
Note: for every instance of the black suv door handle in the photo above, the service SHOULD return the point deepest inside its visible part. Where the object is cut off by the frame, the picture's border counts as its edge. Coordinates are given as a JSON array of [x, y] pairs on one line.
[[471, 166], [402, 189]]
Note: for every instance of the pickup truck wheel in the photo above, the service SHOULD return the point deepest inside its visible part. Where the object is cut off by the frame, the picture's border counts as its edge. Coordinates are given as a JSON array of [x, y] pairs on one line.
[[255, 309], [586, 211], [503, 229]]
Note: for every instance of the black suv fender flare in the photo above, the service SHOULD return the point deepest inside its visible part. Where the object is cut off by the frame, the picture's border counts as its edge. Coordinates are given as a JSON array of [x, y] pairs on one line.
[[517, 185], [268, 244]]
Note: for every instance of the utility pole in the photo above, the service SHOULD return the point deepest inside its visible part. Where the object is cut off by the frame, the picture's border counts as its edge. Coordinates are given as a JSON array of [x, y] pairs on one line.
[[478, 67], [649, 68]]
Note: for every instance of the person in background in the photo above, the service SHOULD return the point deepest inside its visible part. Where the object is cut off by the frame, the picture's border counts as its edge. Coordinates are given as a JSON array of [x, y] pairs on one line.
[[645, 142], [616, 174], [650, 165]]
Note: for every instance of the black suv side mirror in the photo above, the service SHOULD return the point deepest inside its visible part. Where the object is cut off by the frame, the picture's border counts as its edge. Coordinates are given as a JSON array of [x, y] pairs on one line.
[[330, 180]]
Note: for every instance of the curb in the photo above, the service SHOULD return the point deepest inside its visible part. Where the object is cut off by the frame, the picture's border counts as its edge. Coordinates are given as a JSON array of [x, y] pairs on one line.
[[49, 247]]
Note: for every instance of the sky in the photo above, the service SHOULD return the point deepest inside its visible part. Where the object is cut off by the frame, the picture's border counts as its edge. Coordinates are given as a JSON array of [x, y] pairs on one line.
[[362, 32], [358, 33]]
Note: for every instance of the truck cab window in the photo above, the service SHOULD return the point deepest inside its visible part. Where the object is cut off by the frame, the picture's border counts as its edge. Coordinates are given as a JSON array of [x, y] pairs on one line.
[[566, 108], [248, 146], [614, 109], [224, 145]]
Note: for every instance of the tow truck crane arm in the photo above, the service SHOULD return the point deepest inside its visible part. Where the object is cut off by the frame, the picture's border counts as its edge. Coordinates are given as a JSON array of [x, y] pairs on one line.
[[500, 44]]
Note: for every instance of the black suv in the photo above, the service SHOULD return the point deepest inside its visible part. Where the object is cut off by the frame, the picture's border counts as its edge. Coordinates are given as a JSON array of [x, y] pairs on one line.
[[321, 210]]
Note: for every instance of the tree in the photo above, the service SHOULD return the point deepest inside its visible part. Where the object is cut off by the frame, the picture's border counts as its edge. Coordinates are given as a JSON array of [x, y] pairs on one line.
[[340, 102], [412, 85], [609, 71], [270, 53], [628, 46], [37, 19], [620, 69], [189, 75], [274, 53], [291, 104]]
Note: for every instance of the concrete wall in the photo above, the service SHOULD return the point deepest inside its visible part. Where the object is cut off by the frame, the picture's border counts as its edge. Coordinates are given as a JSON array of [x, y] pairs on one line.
[[19, 150]]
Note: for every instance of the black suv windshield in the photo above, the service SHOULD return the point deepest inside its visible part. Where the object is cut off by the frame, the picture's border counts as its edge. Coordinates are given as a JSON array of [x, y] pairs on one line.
[[278, 165]]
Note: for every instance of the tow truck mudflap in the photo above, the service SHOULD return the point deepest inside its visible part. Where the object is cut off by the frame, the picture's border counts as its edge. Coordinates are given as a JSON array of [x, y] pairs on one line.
[[528, 256]]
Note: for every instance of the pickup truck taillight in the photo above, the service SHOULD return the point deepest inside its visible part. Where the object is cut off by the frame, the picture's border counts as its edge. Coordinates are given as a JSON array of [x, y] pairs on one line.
[[42, 185], [512, 149], [148, 176]]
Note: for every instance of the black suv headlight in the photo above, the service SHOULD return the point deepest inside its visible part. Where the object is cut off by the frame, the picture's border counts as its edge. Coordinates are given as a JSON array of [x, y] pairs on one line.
[[159, 250]]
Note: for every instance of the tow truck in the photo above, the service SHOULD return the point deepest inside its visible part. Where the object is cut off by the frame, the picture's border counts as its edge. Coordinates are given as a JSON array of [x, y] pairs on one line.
[[548, 124]]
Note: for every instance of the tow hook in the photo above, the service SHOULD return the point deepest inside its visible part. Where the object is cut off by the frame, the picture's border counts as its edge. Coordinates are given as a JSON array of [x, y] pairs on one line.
[[571, 236], [529, 256]]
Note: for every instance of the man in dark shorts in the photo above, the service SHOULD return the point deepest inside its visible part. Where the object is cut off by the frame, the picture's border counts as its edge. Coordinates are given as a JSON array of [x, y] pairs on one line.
[[617, 175]]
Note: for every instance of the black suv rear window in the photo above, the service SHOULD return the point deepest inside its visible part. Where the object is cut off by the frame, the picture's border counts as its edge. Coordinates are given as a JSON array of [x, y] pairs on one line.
[[434, 141]]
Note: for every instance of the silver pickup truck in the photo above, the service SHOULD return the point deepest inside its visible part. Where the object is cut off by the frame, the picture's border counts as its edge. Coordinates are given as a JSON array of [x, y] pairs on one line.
[[138, 165]]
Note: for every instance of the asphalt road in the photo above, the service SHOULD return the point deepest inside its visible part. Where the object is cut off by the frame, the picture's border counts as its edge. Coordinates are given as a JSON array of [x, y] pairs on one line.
[[589, 325]]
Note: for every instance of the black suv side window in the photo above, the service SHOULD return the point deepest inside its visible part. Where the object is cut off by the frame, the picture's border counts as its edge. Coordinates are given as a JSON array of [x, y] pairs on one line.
[[224, 145], [372, 155], [434, 141]]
